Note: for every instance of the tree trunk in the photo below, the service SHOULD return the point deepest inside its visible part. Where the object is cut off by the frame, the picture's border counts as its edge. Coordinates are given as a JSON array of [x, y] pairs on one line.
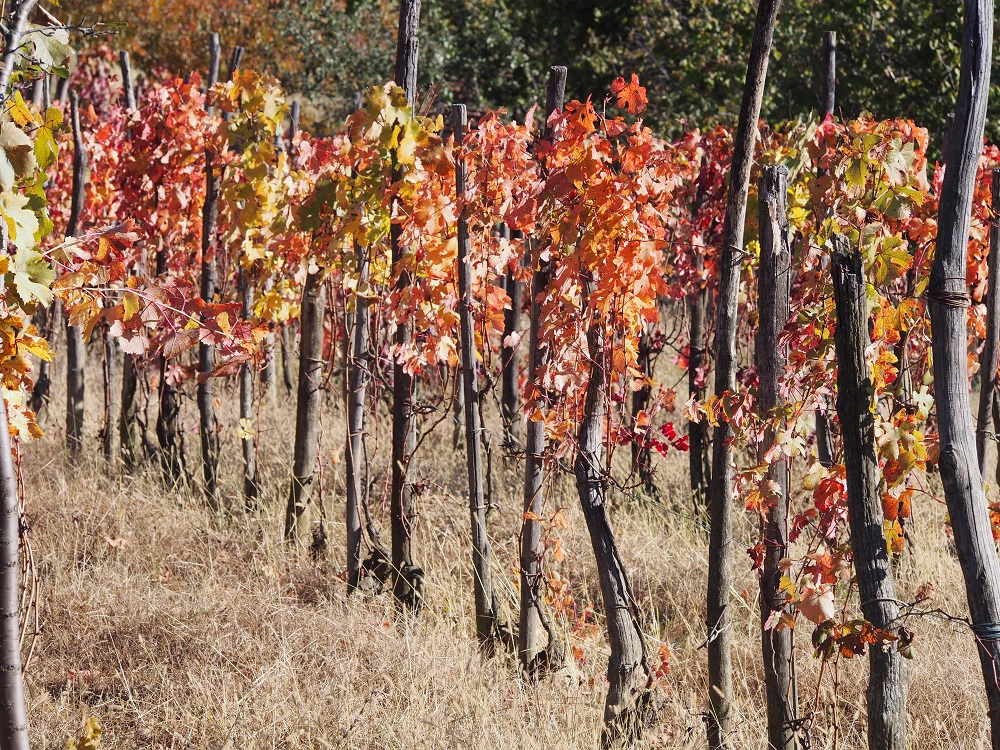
[[828, 96], [986, 439], [510, 396], [720, 668], [947, 295], [771, 359], [251, 492], [358, 372], [887, 679], [482, 555], [628, 668], [407, 578], [298, 518], [531, 617], [208, 423], [75, 352]]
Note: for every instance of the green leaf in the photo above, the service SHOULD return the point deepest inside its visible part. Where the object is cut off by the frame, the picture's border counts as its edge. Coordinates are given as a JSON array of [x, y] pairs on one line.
[[51, 46], [33, 277], [22, 222], [857, 173]]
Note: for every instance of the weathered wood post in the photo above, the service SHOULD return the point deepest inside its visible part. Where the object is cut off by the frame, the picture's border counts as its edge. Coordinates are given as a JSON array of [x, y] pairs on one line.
[[207, 421], [948, 298], [771, 359], [531, 617], [887, 684], [76, 354], [720, 669]]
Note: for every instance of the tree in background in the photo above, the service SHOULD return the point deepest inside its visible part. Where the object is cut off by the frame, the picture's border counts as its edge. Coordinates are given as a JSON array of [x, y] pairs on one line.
[[896, 59]]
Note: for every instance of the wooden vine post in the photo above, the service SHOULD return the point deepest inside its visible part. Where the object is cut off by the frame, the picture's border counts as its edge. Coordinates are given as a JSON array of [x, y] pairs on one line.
[[828, 83], [948, 300], [531, 618], [482, 555], [828, 94], [287, 337], [887, 687], [76, 354], [720, 575], [406, 576], [771, 359], [626, 706], [299, 516], [207, 420], [358, 335]]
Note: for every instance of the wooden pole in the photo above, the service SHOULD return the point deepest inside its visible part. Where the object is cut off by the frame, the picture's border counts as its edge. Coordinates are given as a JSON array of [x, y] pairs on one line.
[[771, 359], [720, 577], [407, 577], [75, 352], [299, 515], [485, 596], [532, 617], [829, 80], [887, 685], [208, 422], [948, 298]]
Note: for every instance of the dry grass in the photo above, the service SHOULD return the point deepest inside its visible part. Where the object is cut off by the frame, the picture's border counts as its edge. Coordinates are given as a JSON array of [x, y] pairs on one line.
[[199, 632]]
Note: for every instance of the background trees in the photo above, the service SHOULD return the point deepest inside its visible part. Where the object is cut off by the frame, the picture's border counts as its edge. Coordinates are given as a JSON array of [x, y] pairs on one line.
[[896, 59]]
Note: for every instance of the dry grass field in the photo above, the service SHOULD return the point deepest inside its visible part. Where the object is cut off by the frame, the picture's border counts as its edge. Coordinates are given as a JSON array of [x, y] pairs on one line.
[[177, 629]]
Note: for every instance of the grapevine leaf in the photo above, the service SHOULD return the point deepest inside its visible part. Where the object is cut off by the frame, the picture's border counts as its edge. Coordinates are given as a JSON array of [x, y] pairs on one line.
[[17, 158], [33, 276]]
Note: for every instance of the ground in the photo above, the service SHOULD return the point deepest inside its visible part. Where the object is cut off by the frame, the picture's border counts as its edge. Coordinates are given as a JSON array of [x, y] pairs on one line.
[[178, 629]]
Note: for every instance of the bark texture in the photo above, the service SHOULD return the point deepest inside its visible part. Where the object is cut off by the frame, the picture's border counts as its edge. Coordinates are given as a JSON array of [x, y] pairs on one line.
[[75, 352], [251, 489], [771, 359], [358, 375], [407, 577], [887, 685], [531, 617], [482, 555], [207, 421], [828, 95], [948, 299], [720, 669], [627, 704], [298, 516], [13, 716]]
